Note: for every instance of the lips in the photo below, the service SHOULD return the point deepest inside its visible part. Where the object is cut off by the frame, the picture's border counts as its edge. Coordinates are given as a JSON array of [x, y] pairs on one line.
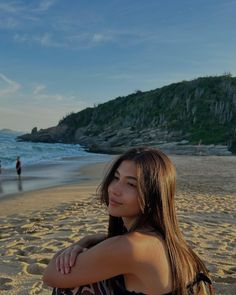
[[113, 202]]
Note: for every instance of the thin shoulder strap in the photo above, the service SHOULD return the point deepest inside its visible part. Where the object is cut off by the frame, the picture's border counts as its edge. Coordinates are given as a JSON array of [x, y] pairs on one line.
[[201, 277]]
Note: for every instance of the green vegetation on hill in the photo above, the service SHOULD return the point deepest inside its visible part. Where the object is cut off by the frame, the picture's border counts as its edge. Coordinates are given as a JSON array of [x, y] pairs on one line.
[[202, 110]]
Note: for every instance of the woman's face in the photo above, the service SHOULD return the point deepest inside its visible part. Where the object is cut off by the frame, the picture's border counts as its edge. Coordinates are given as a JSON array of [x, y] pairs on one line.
[[123, 194]]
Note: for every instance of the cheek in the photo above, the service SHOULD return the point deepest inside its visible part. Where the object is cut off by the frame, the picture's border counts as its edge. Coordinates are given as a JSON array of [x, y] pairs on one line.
[[109, 189], [138, 204], [134, 201]]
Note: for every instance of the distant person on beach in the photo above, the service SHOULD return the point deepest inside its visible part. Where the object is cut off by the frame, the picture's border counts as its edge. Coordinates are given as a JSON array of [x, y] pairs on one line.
[[144, 251], [18, 167], [0, 167]]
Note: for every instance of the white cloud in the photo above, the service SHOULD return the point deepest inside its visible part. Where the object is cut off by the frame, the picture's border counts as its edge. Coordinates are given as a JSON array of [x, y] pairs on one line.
[[15, 14], [46, 40], [100, 37], [9, 14], [19, 7], [9, 86], [41, 96], [121, 37], [87, 39], [46, 4], [38, 88], [49, 97]]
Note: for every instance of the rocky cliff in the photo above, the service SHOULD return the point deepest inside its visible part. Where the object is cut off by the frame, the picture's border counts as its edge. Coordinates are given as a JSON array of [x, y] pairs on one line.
[[196, 116]]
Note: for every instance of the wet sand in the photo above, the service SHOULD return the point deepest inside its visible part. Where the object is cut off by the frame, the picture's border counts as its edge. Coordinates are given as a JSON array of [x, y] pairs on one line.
[[44, 175], [36, 224]]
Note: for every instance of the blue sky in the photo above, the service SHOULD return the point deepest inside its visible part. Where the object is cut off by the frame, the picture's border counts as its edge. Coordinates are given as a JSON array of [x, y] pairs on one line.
[[60, 56]]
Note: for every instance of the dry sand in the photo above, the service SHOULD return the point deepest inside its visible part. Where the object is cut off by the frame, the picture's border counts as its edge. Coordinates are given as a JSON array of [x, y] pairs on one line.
[[36, 224]]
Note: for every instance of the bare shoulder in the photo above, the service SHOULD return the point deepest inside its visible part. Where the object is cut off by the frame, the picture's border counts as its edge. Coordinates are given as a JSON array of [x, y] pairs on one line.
[[140, 240], [126, 246], [133, 246], [122, 242], [135, 239], [142, 248]]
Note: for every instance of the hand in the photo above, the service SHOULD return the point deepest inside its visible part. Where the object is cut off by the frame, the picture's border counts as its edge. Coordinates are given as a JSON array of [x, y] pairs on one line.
[[66, 258]]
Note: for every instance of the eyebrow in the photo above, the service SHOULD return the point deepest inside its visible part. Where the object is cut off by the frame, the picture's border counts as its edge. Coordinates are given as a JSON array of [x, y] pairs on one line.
[[129, 177]]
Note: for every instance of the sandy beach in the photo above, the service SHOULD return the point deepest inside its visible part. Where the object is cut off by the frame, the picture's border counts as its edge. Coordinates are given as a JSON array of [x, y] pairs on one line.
[[36, 224]]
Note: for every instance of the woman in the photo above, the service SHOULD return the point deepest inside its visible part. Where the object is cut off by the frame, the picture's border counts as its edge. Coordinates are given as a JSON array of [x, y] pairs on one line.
[[144, 251]]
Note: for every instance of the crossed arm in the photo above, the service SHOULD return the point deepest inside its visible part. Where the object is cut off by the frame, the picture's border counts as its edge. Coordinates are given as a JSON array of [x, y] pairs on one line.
[[107, 259], [65, 259]]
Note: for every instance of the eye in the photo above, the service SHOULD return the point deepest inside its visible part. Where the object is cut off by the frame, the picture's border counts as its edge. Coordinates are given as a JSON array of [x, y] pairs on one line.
[[115, 177], [131, 184]]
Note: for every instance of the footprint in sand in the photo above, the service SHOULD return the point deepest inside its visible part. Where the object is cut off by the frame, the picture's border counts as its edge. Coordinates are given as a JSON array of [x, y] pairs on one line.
[[36, 268], [5, 284]]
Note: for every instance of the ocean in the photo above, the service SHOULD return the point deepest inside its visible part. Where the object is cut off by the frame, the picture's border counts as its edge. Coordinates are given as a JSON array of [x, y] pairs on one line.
[[32, 153], [43, 164]]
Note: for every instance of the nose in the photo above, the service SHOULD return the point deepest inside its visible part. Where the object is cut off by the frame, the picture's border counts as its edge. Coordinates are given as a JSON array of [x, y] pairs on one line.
[[115, 188]]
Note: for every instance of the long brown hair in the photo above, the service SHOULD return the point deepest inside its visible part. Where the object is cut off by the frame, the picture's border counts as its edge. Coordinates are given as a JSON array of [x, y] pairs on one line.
[[156, 184]]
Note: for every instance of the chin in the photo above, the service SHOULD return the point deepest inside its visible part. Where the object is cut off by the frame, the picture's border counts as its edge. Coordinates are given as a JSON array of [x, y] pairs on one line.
[[113, 212]]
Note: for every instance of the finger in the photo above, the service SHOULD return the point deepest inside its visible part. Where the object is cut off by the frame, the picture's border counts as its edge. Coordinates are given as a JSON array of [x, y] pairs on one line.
[[72, 258], [58, 263], [58, 257], [61, 264], [74, 253], [66, 262]]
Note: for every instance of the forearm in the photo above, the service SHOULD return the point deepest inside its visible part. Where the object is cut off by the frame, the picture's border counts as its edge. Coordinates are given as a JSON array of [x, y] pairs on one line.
[[65, 259]]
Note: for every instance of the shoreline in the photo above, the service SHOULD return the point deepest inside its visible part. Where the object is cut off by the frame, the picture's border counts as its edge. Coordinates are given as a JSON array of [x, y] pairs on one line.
[[49, 197], [46, 175], [36, 224], [73, 170]]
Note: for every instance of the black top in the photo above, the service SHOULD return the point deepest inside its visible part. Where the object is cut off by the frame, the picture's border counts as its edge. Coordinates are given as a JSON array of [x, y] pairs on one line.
[[102, 288], [121, 290]]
